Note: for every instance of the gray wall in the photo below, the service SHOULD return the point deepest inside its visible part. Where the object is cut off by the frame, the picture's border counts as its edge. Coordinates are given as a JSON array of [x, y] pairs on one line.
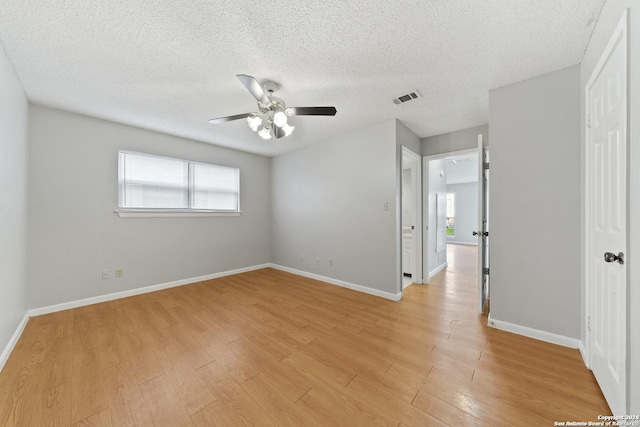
[[609, 17], [328, 203], [535, 202], [466, 206], [436, 185], [455, 141], [406, 137], [13, 214], [74, 232]]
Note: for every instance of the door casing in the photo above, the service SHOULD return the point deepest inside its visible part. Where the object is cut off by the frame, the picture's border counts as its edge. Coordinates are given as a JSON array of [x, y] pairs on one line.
[[416, 167]]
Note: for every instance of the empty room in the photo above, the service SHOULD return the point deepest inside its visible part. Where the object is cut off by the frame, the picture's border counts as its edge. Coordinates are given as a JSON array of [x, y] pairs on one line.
[[320, 214]]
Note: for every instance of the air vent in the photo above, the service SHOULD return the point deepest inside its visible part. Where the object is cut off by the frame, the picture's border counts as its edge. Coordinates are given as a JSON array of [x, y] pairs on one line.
[[408, 97]]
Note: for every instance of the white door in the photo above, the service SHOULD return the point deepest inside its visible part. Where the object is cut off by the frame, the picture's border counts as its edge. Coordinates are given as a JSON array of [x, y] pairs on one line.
[[483, 226], [606, 220], [408, 223], [411, 217]]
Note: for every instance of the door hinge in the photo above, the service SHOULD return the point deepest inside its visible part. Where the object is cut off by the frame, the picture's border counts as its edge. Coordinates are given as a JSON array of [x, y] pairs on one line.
[[486, 165], [588, 323], [485, 271], [589, 121]]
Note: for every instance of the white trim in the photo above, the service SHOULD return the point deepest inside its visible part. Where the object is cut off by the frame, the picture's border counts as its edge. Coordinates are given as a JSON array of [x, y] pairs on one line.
[[534, 333], [418, 214], [138, 291], [170, 214], [451, 154], [341, 283], [425, 221], [463, 243], [583, 353], [438, 270], [12, 342]]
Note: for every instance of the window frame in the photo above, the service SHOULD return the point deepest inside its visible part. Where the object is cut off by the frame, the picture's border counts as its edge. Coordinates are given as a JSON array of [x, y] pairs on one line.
[[451, 206], [173, 212]]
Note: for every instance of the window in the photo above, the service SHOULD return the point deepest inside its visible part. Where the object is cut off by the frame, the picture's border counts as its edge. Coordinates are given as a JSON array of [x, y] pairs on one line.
[[451, 213], [159, 184]]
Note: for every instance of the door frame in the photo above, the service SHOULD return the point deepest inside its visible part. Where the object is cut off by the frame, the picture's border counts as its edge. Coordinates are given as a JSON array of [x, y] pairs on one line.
[[621, 30], [416, 165], [483, 224], [425, 202]]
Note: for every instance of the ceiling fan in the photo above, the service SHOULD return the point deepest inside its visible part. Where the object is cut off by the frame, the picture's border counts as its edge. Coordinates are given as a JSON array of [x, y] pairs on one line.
[[271, 118]]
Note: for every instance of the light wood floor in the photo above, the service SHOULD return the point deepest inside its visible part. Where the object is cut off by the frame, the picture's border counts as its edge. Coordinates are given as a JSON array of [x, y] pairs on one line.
[[267, 348]]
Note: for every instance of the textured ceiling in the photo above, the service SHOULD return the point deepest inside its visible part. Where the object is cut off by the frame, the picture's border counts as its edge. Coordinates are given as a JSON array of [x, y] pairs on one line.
[[462, 169], [170, 65]]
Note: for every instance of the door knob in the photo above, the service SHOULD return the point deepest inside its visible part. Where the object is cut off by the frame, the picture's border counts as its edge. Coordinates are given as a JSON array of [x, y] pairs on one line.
[[611, 257], [475, 233]]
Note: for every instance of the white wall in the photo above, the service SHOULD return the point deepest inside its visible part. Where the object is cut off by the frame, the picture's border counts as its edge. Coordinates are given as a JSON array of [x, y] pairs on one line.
[[437, 184], [464, 139], [609, 18], [13, 211], [466, 210], [328, 202], [74, 232], [535, 203]]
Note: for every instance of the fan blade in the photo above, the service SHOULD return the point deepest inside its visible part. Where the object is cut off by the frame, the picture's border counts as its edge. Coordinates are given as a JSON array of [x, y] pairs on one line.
[[312, 111], [229, 118], [254, 87]]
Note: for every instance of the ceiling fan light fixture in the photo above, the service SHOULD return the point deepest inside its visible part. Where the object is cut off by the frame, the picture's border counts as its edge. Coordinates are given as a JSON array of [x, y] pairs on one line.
[[254, 122], [265, 133], [272, 111], [288, 129], [280, 119]]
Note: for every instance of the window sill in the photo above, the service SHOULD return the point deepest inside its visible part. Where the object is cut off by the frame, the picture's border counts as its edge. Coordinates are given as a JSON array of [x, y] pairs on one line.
[[158, 213]]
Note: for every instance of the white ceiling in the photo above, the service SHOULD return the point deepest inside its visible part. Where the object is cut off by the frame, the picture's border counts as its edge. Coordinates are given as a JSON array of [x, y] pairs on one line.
[[170, 65], [462, 169]]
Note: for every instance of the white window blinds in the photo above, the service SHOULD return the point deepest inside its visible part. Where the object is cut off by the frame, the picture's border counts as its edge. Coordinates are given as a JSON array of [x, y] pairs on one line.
[[214, 187], [161, 183]]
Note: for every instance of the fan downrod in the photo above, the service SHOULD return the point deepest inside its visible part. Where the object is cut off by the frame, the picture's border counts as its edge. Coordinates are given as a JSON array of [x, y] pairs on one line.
[[270, 86]]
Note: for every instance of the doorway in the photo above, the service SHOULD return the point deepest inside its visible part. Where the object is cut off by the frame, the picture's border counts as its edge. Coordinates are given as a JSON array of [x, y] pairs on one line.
[[411, 234], [455, 206], [452, 211]]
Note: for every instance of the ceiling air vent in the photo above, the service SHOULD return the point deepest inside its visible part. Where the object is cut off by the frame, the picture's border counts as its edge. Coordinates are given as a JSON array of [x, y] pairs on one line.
[[408, 97]]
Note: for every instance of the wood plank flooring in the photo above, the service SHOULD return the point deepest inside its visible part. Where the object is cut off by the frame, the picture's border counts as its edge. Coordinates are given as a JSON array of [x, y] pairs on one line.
[[268, 348]]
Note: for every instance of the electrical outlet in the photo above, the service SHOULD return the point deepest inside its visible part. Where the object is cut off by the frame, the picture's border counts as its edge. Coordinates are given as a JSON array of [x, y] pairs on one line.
[[301, 259], [317, 261], [330, 262], [106, 275], [119, 272]]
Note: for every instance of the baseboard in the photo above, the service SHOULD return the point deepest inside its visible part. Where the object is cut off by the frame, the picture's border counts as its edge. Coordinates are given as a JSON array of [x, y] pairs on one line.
[[583, 353], [341, 283], [12, 342], [138, 291], [534, 333], [437, 270]]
